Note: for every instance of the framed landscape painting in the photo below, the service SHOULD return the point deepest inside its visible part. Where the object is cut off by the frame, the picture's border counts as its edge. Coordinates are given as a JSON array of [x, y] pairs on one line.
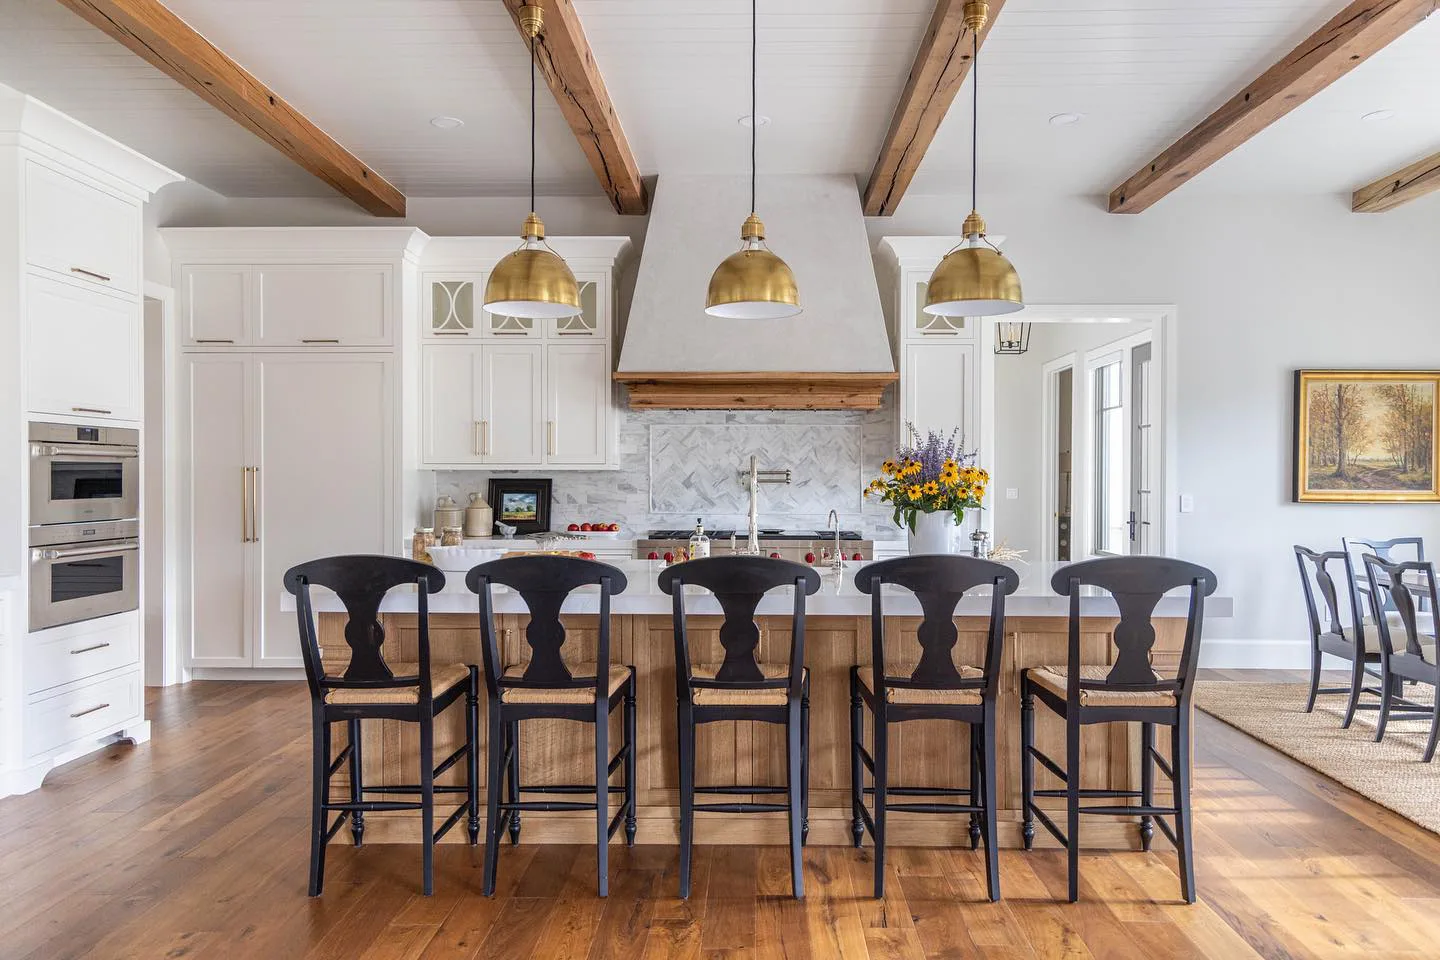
[[1366, 436]]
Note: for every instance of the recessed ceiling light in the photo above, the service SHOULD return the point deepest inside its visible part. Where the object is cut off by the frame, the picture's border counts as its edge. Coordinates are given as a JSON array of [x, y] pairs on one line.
[[447, 123], [760, 121], [1065, 119], [1378, 115]]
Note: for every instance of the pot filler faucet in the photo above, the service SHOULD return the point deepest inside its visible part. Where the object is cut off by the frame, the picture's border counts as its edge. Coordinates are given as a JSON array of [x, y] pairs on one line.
[[752, 479]]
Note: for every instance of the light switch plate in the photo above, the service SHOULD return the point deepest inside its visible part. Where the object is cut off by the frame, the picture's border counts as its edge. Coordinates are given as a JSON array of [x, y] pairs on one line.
[[1012, 494], [1187, 503]]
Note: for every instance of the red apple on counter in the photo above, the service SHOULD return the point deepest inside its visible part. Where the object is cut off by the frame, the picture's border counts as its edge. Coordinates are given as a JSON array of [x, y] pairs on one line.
[[669, 557], [574, 527], [774, 556], [809, 558], [586, 527], [857, 557], [654, 555]]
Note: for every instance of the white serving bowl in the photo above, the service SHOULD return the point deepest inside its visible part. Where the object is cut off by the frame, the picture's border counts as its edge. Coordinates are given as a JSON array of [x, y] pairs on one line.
[[462, 558]]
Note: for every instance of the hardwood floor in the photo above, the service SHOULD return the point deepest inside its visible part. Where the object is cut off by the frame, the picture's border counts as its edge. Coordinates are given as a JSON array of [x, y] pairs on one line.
[[195, 846]]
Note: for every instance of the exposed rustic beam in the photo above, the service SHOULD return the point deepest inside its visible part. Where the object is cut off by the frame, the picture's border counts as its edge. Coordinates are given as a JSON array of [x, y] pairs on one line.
[[169, 44], [1402, 186], [1348, 40], [569, 68], [940, 67]]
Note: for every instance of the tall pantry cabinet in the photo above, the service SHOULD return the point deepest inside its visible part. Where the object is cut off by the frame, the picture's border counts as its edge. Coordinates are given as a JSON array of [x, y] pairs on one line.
[[292, 350]]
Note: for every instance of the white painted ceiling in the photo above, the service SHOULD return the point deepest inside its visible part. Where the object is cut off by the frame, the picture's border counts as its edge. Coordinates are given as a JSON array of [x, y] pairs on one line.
[[374, 72]]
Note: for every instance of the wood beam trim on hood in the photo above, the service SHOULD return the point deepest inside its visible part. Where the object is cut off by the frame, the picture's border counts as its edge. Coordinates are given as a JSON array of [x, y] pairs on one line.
[[155, 34], [568, 65], [780, 390]]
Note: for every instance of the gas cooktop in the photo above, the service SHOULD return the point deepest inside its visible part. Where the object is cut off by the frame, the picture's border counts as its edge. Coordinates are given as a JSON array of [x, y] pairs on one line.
[[764, 534]]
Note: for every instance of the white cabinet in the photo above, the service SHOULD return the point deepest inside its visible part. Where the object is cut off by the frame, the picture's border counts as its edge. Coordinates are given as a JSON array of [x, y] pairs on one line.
[[215, 304], [450, 398], [511, 404], [81, 231], [82, 351], [937, 384], [577, 403], [291, 458], [330, 304]]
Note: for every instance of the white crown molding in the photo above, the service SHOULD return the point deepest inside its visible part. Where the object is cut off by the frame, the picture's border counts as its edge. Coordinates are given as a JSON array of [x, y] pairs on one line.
[[303, 244], [919, 251], [461, 253]]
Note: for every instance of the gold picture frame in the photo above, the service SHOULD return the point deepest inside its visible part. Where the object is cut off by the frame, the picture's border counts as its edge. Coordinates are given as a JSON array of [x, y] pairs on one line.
[[1366, 436]]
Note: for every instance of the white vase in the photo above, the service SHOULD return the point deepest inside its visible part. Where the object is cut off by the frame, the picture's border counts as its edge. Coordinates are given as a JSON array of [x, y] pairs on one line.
[[934, 533]]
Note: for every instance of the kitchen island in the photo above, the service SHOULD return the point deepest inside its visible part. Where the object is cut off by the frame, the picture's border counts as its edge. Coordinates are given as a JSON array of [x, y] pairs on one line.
[[924, 753]]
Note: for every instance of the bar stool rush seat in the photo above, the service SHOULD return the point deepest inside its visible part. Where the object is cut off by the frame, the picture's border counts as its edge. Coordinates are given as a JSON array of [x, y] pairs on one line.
[[935, 689], [548, 688], [741, 688], [1128, 691], [369, 688]]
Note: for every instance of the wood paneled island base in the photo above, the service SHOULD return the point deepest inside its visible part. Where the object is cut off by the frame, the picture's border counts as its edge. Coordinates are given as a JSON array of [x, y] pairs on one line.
[[923, 753]]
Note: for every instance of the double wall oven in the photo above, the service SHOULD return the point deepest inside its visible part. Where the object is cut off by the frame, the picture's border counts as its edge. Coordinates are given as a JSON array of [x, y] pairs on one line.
[[84, 522]]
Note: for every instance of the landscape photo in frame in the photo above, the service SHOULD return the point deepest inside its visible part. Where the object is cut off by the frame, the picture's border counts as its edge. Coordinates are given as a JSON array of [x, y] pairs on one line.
[[1366, 436]]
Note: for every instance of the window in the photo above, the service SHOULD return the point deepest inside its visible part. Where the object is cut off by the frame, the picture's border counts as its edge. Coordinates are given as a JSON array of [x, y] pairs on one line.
[[1111, 487]]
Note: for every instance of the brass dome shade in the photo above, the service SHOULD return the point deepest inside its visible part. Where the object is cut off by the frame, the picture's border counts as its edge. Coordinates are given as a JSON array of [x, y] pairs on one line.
[[752, 283], [974, 279], [533, 281]]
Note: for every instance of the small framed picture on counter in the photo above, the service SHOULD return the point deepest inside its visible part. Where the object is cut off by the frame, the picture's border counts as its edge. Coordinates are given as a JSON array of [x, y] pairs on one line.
[[522, 504]]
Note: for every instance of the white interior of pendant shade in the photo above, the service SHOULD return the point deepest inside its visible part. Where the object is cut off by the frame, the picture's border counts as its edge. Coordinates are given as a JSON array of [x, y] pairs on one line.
[[973, 308], [753, 310], [532, 309]]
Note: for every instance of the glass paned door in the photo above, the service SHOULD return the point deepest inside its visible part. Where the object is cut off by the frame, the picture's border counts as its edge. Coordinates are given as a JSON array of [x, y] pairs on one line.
[[1112, 481], [1143, 481]]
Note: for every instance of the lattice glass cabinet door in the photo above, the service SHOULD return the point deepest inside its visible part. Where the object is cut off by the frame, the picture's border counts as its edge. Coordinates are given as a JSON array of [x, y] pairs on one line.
[[587, 323], [928, 324], [454, 304]]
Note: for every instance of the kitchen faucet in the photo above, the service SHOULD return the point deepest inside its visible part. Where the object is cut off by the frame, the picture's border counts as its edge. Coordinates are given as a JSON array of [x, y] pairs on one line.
[[752, 479], [837, 559]]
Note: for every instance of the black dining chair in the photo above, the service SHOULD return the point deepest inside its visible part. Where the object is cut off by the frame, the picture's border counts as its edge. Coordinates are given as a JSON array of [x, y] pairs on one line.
[[1406, 651], [1329, 633], [546, 687], [1125, 691], [1356, 547], [368, 687], [743, 688], [934, 688]]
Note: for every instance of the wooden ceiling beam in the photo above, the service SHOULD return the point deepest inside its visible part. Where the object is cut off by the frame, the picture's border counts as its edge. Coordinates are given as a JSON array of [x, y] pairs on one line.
[[151, 31], [941, 65], [1346, 41], [564, 57], [1402, 186]]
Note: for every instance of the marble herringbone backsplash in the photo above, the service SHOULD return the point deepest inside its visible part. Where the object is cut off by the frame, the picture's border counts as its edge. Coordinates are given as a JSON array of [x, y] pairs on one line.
[[680, 464]]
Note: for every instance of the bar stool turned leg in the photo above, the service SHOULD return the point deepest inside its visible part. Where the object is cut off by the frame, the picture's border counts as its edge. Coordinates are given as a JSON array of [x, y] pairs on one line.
[[857, 777], [512, 733], [427, 799], [630, 760], [357, 787], [794, 775], [602, 797], [320, 793], [992, 837], [974, 787], [1072, 805], [805, 769], [686, 742], [881, 777], [472, 756], [1027, 762], [494, 774], [1147, 783], [1185, 844]]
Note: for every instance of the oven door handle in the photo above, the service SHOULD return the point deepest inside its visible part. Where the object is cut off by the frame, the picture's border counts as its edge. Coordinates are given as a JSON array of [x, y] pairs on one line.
[[92, 450], [67, 553]]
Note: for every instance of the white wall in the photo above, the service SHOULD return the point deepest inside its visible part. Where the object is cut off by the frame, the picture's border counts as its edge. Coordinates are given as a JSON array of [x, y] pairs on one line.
[[1263, 286]]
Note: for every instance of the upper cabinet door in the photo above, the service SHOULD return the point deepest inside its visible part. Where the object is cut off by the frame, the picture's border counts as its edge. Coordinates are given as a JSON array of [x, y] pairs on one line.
[[593, 321], [81, 231], [577, 403], [922, 325], [452, 305], [215, 304], [938, 384], [103, 379], [324, 305], [512, 403], [450, 401]]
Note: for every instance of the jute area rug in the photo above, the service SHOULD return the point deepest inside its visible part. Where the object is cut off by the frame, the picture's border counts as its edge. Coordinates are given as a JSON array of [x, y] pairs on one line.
[[1389, 772]]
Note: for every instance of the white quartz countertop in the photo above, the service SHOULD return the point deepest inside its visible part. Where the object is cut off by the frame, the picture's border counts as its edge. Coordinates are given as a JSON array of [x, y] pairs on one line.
[[838, 597]]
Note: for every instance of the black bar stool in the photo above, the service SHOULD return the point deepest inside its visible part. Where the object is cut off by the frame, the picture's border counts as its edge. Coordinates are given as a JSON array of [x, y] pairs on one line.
[[1127, 691], [548, 688], [742, 688], [1328, 633], [369, 688], [1406, 651], [935, 689]]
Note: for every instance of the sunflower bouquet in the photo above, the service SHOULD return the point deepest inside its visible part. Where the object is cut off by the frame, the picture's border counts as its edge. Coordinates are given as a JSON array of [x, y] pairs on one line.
[[930, 474]]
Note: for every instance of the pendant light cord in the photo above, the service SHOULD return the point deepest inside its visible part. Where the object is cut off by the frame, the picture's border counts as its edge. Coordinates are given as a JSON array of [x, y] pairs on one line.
[[754, 71], [532, 124], [975, 122]]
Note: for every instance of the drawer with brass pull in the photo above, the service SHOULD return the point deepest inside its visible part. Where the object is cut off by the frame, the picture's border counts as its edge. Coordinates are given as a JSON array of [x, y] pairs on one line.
[[89, 711], [78, 651]]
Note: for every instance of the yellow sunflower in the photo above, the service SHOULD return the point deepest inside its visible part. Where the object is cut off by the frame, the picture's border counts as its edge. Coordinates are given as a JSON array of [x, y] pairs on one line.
[[932, 488], [889, 468], [913, 491]]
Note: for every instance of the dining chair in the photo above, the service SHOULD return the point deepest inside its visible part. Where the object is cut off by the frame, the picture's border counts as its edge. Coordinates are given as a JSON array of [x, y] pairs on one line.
[[370, 687], [1407, 652], [546, 687], [1356, 547], [933, 688], [1126, 691], [1329, 633]]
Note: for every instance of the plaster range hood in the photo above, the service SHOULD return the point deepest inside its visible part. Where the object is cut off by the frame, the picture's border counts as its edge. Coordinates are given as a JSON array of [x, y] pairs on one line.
[[834, 356]]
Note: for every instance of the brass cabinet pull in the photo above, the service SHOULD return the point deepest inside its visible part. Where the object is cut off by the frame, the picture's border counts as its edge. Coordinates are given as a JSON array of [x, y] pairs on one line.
[[244, 504], [550, 437], [254, 504], [90, 273], [198, 340], [475, 438], [320, 340], [91, 410], [98, 646], [82, 713], [485, 438]]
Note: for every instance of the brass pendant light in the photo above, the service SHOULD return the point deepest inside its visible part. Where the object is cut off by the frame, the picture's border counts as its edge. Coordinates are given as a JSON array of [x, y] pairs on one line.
[[753, 283], [974, 279], [533, 281]]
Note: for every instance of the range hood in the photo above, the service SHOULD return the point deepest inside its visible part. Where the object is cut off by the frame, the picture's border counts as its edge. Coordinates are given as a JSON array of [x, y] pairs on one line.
[[834, 356]]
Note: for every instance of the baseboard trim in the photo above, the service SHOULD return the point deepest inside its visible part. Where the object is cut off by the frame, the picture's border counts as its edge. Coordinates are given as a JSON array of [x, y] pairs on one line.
[[248, 673], [1255, 654]]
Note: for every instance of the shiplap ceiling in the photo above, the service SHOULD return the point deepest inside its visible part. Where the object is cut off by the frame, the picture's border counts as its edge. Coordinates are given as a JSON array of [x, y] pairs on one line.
[[372, 73]]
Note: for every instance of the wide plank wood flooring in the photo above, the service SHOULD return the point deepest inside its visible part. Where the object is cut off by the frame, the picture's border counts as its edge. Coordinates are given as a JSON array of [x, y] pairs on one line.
[[194, 845]]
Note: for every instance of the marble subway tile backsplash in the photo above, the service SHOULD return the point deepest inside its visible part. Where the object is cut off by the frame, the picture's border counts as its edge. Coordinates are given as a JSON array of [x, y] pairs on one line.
[[683, 464]]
